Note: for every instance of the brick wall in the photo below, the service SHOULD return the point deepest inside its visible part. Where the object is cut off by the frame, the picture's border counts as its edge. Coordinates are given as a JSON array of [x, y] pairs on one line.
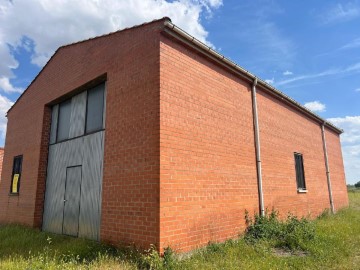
[[283, 131], [336, 167], [1, 160], [130, 206], [207, 154], [130, 60]]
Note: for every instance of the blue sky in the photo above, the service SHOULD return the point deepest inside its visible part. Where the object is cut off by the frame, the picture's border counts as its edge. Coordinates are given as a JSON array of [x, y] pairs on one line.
[[308, 49]]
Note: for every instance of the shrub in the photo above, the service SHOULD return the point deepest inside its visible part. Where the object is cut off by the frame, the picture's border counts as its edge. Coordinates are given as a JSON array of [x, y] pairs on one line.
[[153, 260], [292, 233]]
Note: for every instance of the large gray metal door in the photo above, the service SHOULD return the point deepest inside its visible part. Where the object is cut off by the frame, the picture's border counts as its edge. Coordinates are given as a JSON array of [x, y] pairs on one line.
[[72, 201]]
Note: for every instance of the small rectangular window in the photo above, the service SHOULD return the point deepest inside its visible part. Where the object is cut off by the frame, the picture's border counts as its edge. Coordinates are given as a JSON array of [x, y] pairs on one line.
[[16, 175], [64, 121], [95, 109], [300, 175]]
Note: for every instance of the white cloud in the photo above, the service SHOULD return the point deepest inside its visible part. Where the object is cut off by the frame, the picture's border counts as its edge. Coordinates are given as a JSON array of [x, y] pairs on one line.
[[315, 106], [350, 141], [52, 23], [340, 13], [41, 26], [287, 73], [7, 62], [5, 105], [270, 81], [7, 87]]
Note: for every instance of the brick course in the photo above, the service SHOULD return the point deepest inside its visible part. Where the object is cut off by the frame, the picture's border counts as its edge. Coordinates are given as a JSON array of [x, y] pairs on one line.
[[179, 158]]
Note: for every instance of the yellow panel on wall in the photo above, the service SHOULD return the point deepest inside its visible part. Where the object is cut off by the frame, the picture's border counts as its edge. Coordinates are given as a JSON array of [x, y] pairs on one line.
[[14, 188]]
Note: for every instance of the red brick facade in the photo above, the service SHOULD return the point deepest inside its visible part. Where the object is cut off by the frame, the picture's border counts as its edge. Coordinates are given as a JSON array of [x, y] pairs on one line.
[[1, 159], [179, 158], [208, 168], [129, 61]]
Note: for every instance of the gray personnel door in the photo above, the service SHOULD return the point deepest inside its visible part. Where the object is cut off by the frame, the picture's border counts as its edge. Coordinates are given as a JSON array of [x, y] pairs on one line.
[[72, 201]]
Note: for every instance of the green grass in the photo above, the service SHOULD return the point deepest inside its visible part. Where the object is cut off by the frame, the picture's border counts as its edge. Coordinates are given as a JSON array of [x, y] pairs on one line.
[[26, 248], [335, 245]]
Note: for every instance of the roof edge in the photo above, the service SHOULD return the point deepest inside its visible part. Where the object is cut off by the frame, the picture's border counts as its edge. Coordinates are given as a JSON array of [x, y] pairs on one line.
[[247, 75], [207, 51]]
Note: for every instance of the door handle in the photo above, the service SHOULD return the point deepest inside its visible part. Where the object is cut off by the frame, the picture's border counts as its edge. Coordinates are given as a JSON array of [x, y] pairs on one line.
[[65, 201]]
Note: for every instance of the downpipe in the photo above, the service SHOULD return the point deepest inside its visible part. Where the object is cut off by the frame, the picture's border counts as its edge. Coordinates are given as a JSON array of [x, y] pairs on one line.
[[327, 168], [257, 148]]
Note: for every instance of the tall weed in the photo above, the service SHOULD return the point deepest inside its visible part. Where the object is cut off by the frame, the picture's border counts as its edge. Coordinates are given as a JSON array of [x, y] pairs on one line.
[[292, 233]]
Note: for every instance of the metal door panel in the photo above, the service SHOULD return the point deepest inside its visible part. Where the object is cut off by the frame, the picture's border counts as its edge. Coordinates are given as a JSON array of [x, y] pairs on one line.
[[87, 151], [90, 213], [72, 201], [55, 189]]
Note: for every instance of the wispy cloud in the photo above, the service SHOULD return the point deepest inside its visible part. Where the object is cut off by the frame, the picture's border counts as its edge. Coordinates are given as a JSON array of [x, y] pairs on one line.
[[270, 81], [341, 13], [351, 45], [335, 71], [308, 76], [271, 46], [357, 90], [315, 106], [287, 73], [348, 46]]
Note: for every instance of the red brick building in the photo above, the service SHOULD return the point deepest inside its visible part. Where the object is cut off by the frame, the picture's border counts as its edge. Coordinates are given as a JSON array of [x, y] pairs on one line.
[[148, 136]]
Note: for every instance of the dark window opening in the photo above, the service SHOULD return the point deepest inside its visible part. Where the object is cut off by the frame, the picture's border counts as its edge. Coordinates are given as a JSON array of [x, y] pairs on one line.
[[68, 115], [64, 121], [300, 175], [16, 175], [95, 109]]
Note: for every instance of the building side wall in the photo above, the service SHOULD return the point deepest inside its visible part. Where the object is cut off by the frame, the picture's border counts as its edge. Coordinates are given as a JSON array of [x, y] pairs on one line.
[[207, 155], [130, 60], [283, 131], [336, 168], [27, 119]]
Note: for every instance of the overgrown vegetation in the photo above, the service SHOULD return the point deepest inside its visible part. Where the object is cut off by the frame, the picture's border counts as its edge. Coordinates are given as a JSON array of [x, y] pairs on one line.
[[292, 233], [329, 242]]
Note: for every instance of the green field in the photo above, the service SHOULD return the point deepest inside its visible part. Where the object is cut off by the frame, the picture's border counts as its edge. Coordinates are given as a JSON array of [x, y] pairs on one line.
[[335, 244]]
